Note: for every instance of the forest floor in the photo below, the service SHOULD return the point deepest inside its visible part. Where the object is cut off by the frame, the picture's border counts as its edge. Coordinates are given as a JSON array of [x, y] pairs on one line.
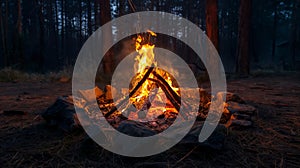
[[273, 140]]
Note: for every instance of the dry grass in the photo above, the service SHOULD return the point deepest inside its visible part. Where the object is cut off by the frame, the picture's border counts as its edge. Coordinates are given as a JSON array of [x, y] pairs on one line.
[[13, 75]]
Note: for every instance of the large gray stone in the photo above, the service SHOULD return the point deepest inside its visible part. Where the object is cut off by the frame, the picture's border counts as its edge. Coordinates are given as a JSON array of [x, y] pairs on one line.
[[215, 141], [90, 94], [234, 97], [61, 114], [243, 123], [136, 129], [235, 107]]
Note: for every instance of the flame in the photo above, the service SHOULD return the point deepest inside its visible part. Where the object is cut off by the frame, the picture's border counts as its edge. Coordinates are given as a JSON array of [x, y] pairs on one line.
[[146, 54], [145, 96], [146, 58], [143, 60], [152, 33]]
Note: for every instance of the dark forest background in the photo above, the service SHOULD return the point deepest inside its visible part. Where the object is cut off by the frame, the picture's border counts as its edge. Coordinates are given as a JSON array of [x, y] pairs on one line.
[[47, 35]]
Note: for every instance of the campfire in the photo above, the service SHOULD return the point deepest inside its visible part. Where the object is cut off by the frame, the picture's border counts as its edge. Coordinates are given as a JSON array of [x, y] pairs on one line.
[[153, 100], [152, 91], [154, 96]]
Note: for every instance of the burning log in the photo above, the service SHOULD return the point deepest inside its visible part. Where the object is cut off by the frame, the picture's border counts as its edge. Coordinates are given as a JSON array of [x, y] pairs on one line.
[[173, 97], [147, 104], [165, 83], [175, 102], [141, 82], [136, 88]]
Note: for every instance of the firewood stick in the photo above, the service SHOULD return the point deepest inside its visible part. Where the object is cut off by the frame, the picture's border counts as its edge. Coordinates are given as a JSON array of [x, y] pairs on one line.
[[172, 92], [149, 99], [141, 82], [126, 98], [165, 83], [114, 108], [174, 102]]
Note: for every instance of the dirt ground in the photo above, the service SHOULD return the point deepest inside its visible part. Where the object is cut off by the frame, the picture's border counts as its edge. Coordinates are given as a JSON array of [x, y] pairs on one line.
[[273, 141]]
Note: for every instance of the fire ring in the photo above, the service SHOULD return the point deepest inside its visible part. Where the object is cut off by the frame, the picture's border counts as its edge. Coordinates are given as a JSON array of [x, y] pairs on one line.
[[92, 52]]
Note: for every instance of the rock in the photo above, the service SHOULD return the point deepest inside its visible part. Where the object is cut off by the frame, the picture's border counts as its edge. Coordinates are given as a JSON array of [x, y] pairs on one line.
[[164, 127], [25, 93], [61, 114], [136, 129], [215, 141], [242, 123], [13, 112], [161, 116], [110, 92], [154, 124], [64, 79], [142, 114], [235, 107], [88, 95], [286, 131], [161, 121], [19, 98], [239, 116], [124, 91], [204, 97], [93, 111], [80, 103], [234, 98]]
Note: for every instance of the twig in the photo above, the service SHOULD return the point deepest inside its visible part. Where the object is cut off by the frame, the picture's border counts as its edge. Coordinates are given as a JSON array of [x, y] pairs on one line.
[[132, 6], [186, 155]]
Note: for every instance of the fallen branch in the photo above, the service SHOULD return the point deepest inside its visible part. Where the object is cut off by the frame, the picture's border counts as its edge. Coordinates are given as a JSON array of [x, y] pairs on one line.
[[186, 155]]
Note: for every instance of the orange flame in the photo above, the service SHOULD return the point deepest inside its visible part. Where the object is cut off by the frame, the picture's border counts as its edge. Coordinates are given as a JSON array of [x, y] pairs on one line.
[[144, 60], [146, 55]]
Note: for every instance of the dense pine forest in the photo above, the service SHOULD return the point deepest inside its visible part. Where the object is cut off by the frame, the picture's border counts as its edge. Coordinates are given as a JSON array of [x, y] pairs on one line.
[[43, 36], [64, 105]]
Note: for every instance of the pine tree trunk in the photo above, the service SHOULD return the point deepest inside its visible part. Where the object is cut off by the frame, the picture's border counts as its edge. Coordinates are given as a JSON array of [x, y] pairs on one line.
[[295, 29], [3, 37], [41, 39], [80, 23], [19, 21], [67, 34], [244, 38], [58, 57], [89, 13], [62, 54], [121, 7], [212, 28], [274, 33], [20, 54], [105, 13], [97, 14]]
